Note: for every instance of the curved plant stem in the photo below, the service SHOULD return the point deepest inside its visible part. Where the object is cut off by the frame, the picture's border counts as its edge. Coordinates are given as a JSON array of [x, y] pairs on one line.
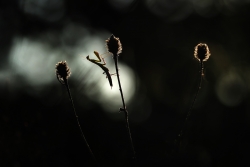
[[70, 97], [124, 105], [181, 134]]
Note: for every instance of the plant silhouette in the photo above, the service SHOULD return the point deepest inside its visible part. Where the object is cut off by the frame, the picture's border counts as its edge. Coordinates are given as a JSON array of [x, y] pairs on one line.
[[62, 74], [114, 46], [201, 53]]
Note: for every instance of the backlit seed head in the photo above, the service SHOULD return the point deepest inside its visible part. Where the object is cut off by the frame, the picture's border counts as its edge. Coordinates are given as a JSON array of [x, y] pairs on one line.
[[62, 71], [201, 52], [114, 45]]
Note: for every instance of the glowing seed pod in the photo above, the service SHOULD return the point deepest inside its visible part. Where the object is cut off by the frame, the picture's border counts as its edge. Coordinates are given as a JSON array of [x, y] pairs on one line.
[[201, 52]]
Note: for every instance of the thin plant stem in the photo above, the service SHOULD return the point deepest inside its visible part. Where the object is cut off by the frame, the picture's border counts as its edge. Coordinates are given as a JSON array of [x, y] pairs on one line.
[[84, 138], [201, 53], [124, 105], [182, 132], [197, 92]]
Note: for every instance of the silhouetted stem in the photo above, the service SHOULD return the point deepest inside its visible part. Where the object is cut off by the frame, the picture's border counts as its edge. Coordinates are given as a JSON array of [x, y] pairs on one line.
[[181, 134], [70, 97], [197, 92], [124, 105]]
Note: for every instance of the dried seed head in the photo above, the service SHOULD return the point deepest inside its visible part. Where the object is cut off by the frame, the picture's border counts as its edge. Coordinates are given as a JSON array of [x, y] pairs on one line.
[[201, 52], [114, 45], [62, 71]]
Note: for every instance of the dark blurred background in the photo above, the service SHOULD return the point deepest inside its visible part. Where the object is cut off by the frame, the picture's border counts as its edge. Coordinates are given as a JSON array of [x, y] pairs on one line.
[[159, 76]]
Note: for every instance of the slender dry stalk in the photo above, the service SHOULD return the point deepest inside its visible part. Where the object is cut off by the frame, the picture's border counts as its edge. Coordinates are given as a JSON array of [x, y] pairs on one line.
[[201, 53], [62, 74], [114, 46]]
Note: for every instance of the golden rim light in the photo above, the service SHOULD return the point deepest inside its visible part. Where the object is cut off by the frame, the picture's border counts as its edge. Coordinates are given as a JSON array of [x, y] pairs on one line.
[[201, 52]]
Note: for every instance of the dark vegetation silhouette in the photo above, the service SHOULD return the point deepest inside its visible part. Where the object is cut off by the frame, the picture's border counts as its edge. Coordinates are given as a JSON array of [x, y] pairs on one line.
[[114, 46], [62, 74], [159, 44], [201, 53]]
